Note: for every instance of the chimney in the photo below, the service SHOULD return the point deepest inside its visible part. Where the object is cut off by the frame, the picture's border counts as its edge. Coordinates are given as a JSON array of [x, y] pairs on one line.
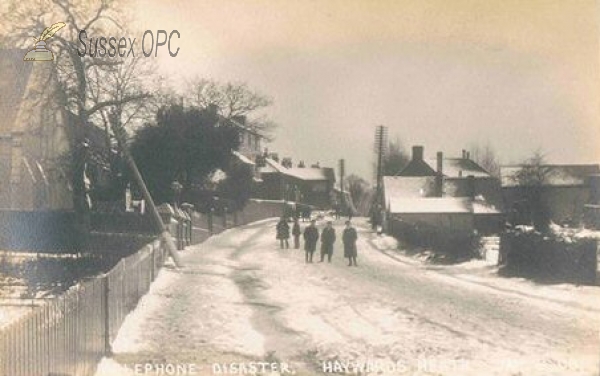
[[417, 153], [464, 154], [439, 178], [468, 155], [471, 187]]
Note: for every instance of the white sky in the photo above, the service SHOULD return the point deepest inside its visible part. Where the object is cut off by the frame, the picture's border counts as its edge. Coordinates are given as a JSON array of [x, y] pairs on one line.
[[520, 74]]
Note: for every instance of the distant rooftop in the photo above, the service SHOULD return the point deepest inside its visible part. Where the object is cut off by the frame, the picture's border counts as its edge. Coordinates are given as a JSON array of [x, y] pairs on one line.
[[306, 173], [555, 175], [460, 167]]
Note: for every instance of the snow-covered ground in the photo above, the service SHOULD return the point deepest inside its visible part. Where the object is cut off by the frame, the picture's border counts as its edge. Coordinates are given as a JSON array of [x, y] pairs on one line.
[[241, 300]]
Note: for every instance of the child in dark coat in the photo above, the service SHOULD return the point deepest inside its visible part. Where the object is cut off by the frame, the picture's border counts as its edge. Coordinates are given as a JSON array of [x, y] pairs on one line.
[[283, 233], [311, 236], [327, 240], [349, 238]]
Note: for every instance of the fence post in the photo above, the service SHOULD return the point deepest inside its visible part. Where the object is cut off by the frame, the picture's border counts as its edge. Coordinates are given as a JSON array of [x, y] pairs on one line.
[[188, 209], [210, 221], [153, 263], [179, 233], [235, 218], [597, 262], [225, 217], [106, 294]]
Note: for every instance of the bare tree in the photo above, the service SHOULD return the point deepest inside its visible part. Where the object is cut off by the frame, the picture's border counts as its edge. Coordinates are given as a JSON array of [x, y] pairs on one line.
[[395, 159], [80, 84], [360, 191], [531, 178], [486, 157], [233, 99]]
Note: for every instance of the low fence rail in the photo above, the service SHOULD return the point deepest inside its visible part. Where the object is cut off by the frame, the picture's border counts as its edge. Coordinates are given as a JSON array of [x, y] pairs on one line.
[[67, 336]]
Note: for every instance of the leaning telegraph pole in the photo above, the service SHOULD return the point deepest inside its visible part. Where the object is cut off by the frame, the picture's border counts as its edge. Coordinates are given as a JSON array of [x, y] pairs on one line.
[[165, 236]]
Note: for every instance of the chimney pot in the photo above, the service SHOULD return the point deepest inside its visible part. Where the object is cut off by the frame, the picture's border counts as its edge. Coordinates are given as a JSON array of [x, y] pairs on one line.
[[417, 152]]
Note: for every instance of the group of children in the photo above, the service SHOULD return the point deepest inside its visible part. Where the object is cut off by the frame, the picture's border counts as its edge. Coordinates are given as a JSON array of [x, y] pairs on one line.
[[311, 237]]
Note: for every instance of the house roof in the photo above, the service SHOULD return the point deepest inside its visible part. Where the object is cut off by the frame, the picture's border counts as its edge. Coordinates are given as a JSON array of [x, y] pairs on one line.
[[451, 168], [242, 126], [419, 205], [555, 175], [417, 167], [481, 206], [411, 194], [242, 158], [14, 77], [307, 173], [460, 167], [409, 186]]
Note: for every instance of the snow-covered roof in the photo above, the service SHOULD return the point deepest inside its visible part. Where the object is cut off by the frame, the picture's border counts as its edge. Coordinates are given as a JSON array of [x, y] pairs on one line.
[[480, 206], [306, 173], [408, 186], [460, 167], [441, 205], [405, 194], [554, 175], [243, 158]]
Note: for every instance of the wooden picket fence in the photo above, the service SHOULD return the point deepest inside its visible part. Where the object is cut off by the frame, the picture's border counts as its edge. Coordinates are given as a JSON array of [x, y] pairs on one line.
[[70, 334]]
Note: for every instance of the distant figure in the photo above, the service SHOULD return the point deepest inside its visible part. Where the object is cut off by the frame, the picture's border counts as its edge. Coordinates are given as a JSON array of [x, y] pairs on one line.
[[306, 213], [327, 240], [283, 232], [296, 233], [336, 209], [349, 214], [311, 236], [349, 238]]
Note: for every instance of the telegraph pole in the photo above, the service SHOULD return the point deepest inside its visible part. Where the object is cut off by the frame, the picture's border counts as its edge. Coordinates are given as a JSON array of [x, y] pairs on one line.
[[380, 148], [121, 137]]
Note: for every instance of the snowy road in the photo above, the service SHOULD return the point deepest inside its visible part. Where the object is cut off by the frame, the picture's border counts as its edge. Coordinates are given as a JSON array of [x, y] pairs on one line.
[[240, 299]]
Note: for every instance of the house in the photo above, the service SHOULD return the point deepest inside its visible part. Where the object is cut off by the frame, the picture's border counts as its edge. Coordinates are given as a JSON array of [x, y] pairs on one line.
[[454, 176], [35, 148], [591, 214], [308, 185], [33, 138], [565, 189], [250, 139], [456, 194]]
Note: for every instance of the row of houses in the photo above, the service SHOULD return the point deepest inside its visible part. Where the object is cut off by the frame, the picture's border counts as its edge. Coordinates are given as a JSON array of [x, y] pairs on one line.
[[278, 178], [459, 194], [35, 143]]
